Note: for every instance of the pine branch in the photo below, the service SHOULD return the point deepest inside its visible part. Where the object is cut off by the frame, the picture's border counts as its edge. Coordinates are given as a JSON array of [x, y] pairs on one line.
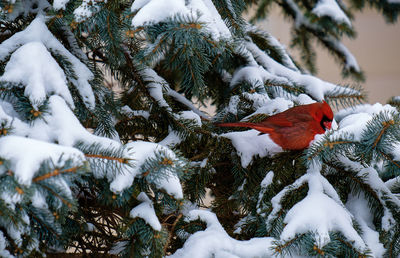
[[55, 172]]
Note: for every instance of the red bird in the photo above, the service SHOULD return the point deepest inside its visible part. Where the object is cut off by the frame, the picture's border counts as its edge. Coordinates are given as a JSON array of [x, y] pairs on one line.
[[294, 128]]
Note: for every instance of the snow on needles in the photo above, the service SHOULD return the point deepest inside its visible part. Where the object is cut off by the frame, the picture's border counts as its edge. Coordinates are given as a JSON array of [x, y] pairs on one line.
[[155, 11], [33, 67], [37, 31], [331, 9], [140, 151], [314, 213], [249, 144], [26, 155], [314, 86], [215, 242], [59, 4], [145, 210], [86, 9]]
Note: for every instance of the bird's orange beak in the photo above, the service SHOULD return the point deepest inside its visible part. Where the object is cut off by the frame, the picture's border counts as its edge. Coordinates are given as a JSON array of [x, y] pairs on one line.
[[327, 124]]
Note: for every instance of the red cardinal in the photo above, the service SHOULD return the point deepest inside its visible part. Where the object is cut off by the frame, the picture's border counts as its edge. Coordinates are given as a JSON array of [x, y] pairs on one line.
[[294, 128]]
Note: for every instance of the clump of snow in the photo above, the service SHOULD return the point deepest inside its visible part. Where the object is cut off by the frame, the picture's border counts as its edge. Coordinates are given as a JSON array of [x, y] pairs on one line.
[[61, 125], [267, 179], [3, 244], [128, 111], [365, 108], [358, 206], [37, 31], [155, 87], [254, 74], [155, 11], [38, 200], [204, 11], [26, 155], [145, 210], [301, 20], [331, 9], [249, 144], [352, 119], [87, 9], [321, 220], [59, 4], [139, 151], [233, 103], [303, 99], [173, 137], [313, 85], [180, 98], [190, 115], [171, 140], [215, 242], [34, 67], [270, 106], [258, 99]]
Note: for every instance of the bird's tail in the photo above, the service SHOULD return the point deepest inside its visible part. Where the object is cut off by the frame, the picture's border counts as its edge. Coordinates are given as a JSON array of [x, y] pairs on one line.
[[258, 127]]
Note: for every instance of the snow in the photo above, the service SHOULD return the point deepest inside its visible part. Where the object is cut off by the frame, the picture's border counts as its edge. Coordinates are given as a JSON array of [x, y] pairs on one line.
[[38, 200], [331, 9], [61, 125], [321, 220], [37, 31], [351, 62], [301, 20], [180, 98], [364, 109], [173, 137], [26, 155], [267, 179], [233, 103], [138, 4], [253, 74], [392, 183], [352, 119], [59, 4], [371, 177], [155, 87], [210, 16], [145, 210], [203, 11], [215, 242], [249, 144], [313, 85], [269, 106], [11, 198], [358, 206], [3, 244], [87, 9], [34, 67], [139, 151], [155, 11], [128, 111], [190, 115]]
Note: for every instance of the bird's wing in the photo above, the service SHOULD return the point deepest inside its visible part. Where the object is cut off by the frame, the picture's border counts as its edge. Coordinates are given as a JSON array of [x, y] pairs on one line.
[[277, 121]]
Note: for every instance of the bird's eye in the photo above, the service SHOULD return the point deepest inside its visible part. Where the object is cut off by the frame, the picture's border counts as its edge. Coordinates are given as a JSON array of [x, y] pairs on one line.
[[326, 123]]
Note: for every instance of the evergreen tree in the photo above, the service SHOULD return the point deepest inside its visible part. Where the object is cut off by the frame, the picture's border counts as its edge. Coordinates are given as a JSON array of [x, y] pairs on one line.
[[123, 169]]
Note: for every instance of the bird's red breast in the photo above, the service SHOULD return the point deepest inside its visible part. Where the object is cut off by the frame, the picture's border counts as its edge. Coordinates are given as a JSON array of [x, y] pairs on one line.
[[294, 128]]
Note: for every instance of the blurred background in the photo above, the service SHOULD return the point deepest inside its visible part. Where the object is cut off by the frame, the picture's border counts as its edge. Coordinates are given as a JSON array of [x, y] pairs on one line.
[[376, 48]]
